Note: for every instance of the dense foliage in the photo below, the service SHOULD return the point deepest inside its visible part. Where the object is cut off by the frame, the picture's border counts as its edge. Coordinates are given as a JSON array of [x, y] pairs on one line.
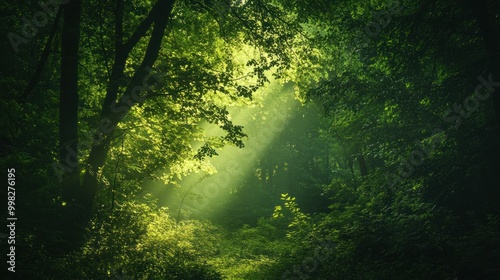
[[252, 139]]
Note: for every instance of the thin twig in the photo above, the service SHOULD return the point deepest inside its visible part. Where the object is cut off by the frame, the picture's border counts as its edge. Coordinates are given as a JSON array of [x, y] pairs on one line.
[[44, 57]]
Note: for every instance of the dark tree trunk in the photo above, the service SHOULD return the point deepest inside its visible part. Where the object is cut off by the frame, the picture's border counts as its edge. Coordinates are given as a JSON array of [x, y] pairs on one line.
[[82, 195], [114, 111], [363, 168], [68, 95], [68, 111], [360, 158]]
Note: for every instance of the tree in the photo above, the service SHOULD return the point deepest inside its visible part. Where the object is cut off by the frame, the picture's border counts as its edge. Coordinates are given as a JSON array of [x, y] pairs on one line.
[[131, 81], [68, 96]]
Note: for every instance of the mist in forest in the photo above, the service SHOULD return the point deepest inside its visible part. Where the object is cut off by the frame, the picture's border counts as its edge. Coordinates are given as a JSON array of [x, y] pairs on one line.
[[251, 140]]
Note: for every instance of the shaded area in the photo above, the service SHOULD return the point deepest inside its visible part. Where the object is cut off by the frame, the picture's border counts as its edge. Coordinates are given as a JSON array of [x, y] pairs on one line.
[[189, 139]]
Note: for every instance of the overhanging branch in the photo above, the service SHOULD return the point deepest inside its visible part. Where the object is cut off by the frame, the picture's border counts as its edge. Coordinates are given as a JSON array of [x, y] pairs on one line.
[[45, 55]]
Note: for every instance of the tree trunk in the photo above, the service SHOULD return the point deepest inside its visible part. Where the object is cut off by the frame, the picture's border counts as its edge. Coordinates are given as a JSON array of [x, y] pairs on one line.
[[68, 95], [114, 111], [360, 158], [68, 108], [363, 168]]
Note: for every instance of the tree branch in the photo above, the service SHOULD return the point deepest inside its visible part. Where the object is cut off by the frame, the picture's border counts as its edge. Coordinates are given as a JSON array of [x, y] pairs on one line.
[[143, 27], [45, 55], [118, 24], [122, 50], [161, 14]]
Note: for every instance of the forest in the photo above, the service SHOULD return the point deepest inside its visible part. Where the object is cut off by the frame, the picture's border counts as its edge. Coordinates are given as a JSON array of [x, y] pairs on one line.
[[250, 139]]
